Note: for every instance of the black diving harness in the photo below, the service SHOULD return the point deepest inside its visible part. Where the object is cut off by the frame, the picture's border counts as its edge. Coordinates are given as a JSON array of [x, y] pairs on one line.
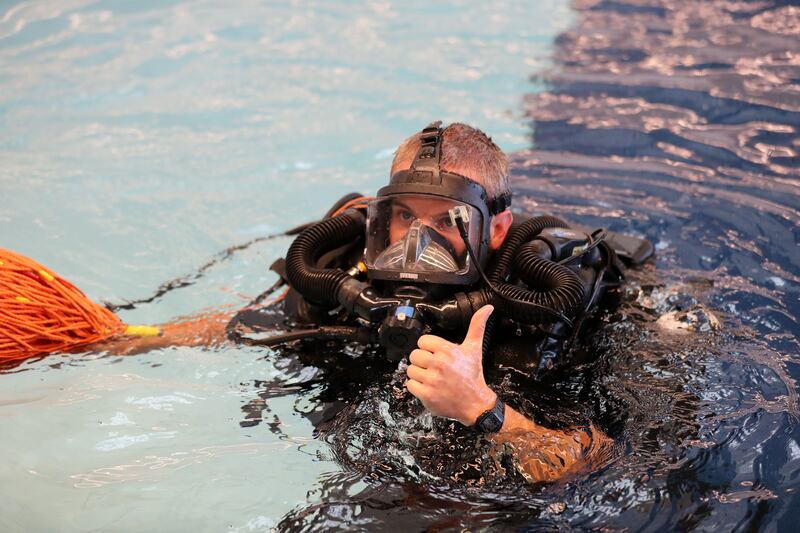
[[398, 320], [397, 306]]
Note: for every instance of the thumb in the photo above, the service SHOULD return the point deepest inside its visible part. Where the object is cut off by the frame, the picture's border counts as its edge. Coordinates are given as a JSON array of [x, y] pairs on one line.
[[477, 326]]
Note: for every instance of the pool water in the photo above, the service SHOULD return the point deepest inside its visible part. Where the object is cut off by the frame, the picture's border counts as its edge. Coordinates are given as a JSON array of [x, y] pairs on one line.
[[138, 141]]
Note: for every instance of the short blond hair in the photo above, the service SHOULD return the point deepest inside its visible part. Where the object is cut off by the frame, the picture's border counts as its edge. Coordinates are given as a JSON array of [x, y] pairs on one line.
[[466, 151]]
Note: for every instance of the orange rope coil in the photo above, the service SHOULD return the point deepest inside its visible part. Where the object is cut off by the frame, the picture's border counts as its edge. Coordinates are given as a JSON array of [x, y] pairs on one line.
[[41, 312]]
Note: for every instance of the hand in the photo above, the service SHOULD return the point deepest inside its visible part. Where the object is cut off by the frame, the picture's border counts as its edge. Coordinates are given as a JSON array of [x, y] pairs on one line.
[[448, 377]]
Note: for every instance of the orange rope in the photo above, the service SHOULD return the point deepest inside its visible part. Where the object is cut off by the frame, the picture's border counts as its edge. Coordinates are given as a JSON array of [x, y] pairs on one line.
[[41, 312]]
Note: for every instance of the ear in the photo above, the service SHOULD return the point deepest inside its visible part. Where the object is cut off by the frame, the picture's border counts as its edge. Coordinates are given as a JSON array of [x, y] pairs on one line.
[[498, 228]]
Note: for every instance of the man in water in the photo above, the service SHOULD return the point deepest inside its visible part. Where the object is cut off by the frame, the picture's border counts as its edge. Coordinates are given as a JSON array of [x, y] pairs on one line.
[[426, 228], [448, 377]]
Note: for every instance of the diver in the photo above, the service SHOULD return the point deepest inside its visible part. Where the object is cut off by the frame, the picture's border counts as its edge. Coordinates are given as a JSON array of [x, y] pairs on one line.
[[437, 271]]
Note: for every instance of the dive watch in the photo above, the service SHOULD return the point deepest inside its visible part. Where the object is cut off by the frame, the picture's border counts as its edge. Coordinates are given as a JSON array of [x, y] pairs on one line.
[[492, 420]]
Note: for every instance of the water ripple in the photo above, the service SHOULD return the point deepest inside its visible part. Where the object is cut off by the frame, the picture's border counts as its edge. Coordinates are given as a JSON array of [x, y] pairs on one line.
[[152, 467], [680, 121]]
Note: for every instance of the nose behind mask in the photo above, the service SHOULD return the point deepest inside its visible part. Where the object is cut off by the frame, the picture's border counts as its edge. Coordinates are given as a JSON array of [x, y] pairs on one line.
[[422, 250]]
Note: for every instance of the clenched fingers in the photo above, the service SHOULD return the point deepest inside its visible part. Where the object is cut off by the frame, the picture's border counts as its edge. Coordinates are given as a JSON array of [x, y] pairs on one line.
[[422, 358], [418, 389], [433, 343], [418, 374]]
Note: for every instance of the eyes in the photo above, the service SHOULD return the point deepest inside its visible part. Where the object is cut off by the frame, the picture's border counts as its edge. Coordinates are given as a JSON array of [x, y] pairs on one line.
[[443, 223], [403, 214], [440, 223]]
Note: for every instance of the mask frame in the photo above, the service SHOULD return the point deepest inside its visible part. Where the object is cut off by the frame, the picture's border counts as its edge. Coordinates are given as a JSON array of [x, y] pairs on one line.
[[425, 177], [416, 250]]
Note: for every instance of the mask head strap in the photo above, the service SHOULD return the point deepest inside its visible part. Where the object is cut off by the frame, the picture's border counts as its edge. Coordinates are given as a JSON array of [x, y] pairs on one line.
[[498, 204], [425, 166], [425, 169]]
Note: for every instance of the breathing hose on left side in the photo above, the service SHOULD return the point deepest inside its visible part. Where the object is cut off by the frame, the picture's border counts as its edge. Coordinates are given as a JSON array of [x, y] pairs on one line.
[[321, 285]]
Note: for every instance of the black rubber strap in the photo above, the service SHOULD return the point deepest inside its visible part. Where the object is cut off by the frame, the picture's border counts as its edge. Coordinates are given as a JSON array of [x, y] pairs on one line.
[[426, 167], [500, 203], [429, 154], [491, 421]]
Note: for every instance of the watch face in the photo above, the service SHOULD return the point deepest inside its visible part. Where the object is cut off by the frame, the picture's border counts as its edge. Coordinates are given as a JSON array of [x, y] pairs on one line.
[[492, 420], [492, 423]]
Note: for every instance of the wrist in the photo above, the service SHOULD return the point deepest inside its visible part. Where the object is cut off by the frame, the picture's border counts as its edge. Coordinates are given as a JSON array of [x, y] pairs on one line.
[[486, 401], [492, 420]]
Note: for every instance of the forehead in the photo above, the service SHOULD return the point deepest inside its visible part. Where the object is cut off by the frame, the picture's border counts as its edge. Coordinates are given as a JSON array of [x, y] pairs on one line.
[[424, 205]]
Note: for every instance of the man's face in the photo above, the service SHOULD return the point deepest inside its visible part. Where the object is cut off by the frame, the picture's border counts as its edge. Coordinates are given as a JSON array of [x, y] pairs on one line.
[[433, 212]]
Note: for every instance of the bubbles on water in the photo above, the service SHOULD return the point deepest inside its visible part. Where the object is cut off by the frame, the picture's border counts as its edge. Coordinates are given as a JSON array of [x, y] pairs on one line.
[[120, 419], [165, 403]]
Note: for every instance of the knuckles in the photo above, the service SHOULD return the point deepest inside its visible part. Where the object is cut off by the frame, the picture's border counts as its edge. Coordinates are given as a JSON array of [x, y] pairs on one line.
[[434, 378], [417, 355], [447, 356], [429, 341], [433, 343], [429, 376], [438, 361]]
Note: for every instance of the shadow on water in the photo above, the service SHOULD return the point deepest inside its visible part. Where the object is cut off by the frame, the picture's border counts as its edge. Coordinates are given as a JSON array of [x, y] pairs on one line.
[[677, 121]]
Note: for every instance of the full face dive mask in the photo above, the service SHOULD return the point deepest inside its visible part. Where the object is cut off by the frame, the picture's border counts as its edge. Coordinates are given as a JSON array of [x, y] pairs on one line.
[[415, 224], [415, 238], [421, 251]]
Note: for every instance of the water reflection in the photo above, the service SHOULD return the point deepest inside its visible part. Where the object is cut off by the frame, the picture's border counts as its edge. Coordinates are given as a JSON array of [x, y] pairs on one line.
[[155, 467], [687, 125]]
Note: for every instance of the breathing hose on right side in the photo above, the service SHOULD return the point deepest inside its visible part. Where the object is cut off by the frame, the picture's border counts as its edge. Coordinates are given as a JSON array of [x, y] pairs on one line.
[[563, 293], [561, 288], [501, 266]]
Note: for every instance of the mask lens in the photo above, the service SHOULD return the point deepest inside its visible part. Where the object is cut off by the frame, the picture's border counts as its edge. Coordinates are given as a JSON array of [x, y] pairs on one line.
[[412, 235]]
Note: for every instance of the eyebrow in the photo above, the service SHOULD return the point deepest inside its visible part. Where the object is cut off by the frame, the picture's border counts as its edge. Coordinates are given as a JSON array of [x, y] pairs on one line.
[[401, 204], [406, 206]]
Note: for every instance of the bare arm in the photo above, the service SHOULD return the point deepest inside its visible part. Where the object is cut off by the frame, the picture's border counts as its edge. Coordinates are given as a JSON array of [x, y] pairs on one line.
[[200, 330], [547, 454]]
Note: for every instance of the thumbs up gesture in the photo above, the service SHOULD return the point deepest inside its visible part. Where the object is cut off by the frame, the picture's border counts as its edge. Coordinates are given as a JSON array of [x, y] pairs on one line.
[[448, 377]]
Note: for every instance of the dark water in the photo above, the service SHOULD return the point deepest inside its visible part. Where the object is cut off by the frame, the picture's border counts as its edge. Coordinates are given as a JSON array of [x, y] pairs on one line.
[[676, 121]]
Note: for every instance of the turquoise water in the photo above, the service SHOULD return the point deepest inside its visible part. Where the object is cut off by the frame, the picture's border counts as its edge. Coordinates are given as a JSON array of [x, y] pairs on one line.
[[138, 139]]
